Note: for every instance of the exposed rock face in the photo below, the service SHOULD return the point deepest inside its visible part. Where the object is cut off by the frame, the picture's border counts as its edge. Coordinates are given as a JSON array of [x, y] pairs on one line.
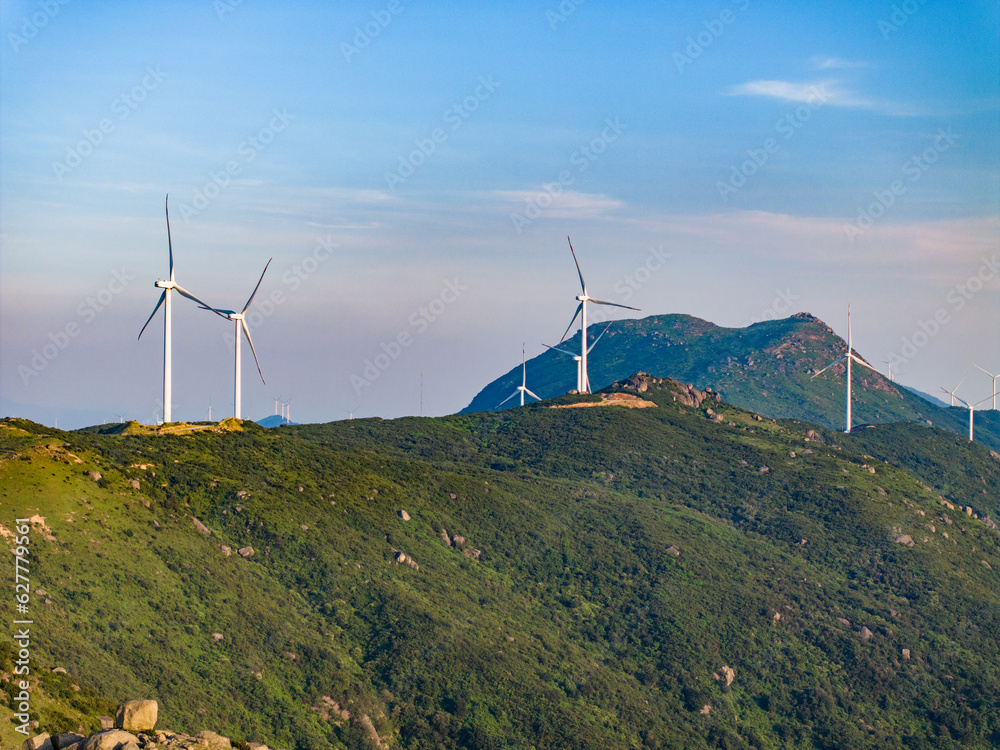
[[200, 526], [213, 739], [37, 742], [66, 739], [905, 539], [137, 716]]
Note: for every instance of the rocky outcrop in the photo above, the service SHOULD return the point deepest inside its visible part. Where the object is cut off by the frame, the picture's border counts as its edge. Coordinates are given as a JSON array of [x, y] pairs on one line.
[[135, 730]]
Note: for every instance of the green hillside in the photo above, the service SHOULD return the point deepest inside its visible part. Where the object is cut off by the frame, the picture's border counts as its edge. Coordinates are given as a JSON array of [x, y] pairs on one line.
[[582, 577], [766, 367]]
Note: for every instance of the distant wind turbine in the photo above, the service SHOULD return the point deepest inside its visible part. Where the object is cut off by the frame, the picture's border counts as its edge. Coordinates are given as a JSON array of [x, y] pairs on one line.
[[523, 388], [889, 362], [581, 312], [849, 356], [167, 287], [995, 378], [578, 359], [209, 408], [350, 414], [239, 319], [952, 392], [970, 407]]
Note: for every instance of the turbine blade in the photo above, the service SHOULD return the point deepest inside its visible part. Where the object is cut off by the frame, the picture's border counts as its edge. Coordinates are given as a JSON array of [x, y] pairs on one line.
[[162, 298], [988, 398], [185, 293], [986, 371], [579, 308], [860, 361], [532, 394], [591, 347], [583, 285], [959, 383], [836, 362], [170, 246], [561, 351], [258, 285], [250, 341], [613, 304], [505, 400]]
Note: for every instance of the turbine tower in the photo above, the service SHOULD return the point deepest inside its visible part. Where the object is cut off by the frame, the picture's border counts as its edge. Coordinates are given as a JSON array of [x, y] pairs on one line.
[[581, 311], [995, 378], [970, 407], [239, 319], [849, 356], [523, 388], [165, 300], [578, 359]]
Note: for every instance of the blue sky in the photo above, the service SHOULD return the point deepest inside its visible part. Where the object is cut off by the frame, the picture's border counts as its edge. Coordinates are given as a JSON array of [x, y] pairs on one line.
[[414, 168]]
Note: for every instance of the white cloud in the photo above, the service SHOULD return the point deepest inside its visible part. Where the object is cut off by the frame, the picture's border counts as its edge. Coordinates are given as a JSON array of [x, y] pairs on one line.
[[821, 62]]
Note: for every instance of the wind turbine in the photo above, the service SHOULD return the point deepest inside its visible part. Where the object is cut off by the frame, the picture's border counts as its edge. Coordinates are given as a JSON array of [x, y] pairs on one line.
[[209, 408], [167, 287], [995, 378], [121, 417], [581, 311], [849, 356], [239, 319], [523, 388], [350, 413], [578, 359], [952, 392], [970, 407], [889, 362]]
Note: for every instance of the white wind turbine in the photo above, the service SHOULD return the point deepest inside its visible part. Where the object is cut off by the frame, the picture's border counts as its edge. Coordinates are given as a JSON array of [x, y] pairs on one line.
[[970, 407], [849, 356], [578, 359], [239, 318], [167, 287], [952, 392], [523, 388], [995, 378], [581, 311]]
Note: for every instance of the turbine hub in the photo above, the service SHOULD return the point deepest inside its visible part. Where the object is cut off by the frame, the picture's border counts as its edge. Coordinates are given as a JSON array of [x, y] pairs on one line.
[[164, 284]]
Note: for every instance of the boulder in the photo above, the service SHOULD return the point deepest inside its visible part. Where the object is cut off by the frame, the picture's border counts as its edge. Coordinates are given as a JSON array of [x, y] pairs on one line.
[[134, 483], [404, 515], [728, 674], [445, 538], [38, 742], [245, 552], [213, 739], [458, 541], [136, 716], [906, 654], [107, 722], [990, 523], [865, 633], [55, 670], [200, 526], [217, 637], [66, 740], [674, 550], [110, 739], [95, 475], [905, 539]]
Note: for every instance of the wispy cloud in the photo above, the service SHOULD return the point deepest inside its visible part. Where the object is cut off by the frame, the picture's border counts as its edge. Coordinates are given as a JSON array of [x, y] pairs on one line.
[[823, 62], [826, 92], [568, 204]]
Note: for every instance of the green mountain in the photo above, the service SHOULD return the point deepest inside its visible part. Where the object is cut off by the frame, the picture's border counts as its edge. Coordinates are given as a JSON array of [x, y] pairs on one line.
[[679, 574], [766, 367]]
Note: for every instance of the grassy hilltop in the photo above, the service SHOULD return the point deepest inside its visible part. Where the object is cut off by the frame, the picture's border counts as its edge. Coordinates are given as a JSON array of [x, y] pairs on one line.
[[581, 577]]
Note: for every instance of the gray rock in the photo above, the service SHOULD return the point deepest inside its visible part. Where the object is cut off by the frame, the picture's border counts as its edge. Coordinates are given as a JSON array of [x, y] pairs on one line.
[[404, 515], [56, 670], [865, 633], [66, 740], [674, 550], [445, 538], [106, 722], [905, 539], [38, 742], [212, 738], [134, 483], [137, 716], [245, 552], [110, 739], [95, 475], [200, 526]]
